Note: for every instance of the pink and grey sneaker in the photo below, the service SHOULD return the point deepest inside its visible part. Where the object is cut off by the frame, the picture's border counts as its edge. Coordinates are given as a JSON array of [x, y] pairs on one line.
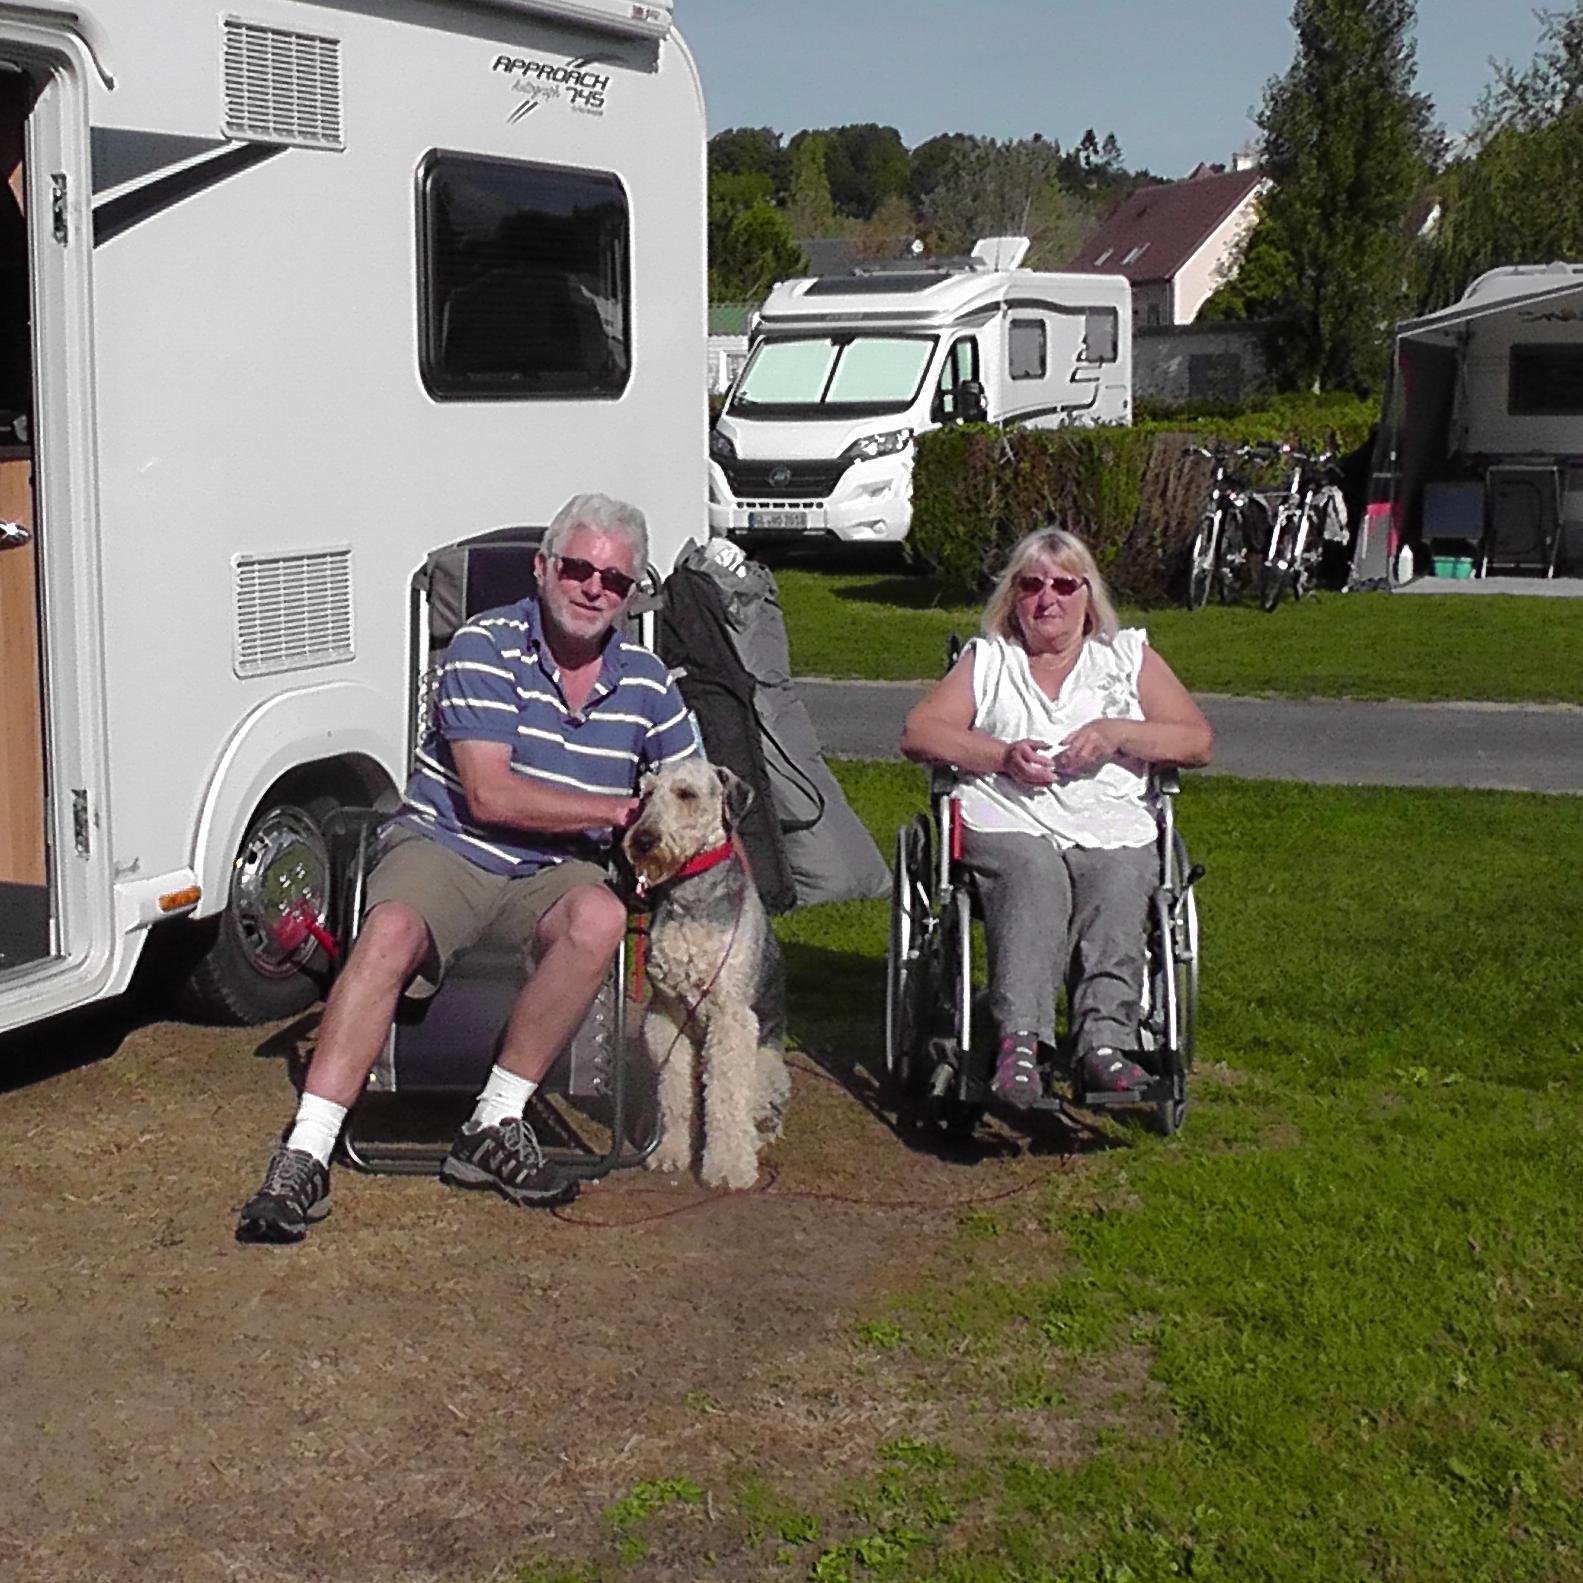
[[1016, 1078], [1109, 1071]]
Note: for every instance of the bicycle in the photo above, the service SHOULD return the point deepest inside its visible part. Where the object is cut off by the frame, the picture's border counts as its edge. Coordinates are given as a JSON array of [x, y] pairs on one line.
[[1309, 510], [1218, 557]]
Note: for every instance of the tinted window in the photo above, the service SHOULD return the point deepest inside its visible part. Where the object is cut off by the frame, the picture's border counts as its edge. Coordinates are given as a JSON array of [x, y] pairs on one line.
[[1100, 328], [1025, 349], [523, 280], [1546, 381]]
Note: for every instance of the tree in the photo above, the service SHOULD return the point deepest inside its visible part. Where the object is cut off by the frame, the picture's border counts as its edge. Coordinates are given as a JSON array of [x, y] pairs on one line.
[[754, 249], [810, 211], [1010, 188], [1347, 144], [1516, 196], [865, 164], [930, 164], [750, 150]]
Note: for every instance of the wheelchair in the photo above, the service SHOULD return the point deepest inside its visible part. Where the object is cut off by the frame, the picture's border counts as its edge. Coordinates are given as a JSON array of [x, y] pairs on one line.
[[939, 1045], [438, 1052]]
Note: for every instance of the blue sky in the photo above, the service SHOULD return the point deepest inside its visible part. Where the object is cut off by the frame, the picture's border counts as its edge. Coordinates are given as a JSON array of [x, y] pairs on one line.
[[1174, 79]]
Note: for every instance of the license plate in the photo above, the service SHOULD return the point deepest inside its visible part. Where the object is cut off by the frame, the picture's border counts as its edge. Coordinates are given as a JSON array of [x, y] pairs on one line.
[[777, 519]]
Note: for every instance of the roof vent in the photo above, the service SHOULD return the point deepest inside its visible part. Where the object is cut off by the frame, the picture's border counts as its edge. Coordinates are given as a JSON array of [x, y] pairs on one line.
[[282, 87], [292, 611]]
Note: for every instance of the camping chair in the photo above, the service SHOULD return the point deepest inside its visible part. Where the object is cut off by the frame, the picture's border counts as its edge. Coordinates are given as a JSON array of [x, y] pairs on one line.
[[439, 1051]]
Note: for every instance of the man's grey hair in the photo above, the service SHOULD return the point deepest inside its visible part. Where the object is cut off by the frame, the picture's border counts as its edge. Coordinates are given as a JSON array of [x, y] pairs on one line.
[[603, 515]]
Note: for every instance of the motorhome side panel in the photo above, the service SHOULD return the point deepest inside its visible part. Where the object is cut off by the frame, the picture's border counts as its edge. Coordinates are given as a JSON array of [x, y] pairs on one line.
[[269, 452]]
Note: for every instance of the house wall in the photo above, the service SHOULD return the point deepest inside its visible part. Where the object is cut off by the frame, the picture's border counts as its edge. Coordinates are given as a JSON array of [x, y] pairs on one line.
[[1206, 269], [1153, 303], [727, 354], [1172, 364]]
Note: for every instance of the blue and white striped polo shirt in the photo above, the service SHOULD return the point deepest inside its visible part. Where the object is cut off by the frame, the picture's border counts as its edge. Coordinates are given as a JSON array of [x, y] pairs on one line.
[[500, 683]]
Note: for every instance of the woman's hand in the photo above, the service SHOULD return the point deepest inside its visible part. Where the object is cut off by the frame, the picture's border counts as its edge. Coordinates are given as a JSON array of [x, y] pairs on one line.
[[1089, 746], [1028, 762]]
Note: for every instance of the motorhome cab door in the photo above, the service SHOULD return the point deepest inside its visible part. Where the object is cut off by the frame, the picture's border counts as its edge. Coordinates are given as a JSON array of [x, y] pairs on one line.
[[54, 888]]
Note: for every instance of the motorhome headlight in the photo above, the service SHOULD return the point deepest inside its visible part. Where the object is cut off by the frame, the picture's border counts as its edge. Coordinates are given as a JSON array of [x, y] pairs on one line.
[[720, 447], [872, 445]]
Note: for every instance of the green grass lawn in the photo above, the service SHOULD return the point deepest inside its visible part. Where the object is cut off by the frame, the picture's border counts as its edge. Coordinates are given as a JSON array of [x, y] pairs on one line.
[[888, 626], [1353, 1285]]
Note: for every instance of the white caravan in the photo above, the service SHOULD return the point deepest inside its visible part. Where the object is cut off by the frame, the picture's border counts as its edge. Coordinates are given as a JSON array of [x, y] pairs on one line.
[[846, 370], [1478, 466], [294, 293]]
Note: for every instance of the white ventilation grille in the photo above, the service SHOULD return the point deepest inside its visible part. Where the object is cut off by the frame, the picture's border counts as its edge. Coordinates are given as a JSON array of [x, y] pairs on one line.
[[292, 611], [282, 87]]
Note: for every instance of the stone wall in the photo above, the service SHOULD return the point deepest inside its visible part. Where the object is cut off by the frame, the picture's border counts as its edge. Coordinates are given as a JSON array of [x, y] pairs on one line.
[[1173, 364]]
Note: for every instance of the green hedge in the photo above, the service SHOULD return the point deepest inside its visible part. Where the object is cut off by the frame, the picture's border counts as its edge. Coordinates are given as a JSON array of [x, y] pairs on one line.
[[1130, 493]]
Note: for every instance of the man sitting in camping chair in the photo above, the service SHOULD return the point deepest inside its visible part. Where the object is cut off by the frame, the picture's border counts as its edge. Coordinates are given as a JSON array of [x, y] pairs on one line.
[[545, 718]]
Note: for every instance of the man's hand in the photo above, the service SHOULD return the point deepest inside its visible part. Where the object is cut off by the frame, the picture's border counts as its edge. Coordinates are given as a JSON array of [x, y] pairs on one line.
[[1027, 762], [1088, 747]]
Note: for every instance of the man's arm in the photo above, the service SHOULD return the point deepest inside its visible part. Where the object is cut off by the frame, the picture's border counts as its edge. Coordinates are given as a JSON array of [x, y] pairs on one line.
[[497, 795]]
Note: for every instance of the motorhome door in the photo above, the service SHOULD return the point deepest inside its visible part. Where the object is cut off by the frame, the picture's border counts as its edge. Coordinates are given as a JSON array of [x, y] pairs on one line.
[[54, 898]]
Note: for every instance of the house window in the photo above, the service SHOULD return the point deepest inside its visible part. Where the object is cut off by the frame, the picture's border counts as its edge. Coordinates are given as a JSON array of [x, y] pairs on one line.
[[1135, 253], [1025, 351], [1101, 331], [1103, 256], [523, 275]]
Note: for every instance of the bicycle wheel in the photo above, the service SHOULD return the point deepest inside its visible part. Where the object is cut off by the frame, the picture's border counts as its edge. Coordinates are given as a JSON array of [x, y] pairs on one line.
[[1276, 571], [1301, 568], [1202, 560], [1231, 561]]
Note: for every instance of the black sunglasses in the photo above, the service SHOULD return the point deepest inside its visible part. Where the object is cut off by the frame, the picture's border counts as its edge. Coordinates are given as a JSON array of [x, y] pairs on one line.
[[1032, 583], [576, 570]]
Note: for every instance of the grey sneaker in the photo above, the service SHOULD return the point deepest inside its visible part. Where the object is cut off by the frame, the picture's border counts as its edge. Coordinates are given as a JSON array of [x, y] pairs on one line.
[[1016, 1078], [508, 1159], [1109, 1071], [296, 1192]]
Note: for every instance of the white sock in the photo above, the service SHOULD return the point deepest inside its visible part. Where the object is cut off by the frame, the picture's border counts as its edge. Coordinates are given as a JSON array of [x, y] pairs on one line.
[[505, 1094], [317, 1127]]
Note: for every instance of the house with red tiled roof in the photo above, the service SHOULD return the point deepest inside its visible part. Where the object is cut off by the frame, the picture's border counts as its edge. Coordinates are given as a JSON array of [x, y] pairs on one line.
[[1175, 241]]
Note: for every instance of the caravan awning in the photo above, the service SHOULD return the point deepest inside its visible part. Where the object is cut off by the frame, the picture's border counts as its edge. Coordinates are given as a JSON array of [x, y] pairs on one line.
[[1446, 327]]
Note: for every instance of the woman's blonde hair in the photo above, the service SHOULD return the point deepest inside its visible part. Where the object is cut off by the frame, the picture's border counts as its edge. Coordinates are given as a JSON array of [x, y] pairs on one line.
[[1066, 552]]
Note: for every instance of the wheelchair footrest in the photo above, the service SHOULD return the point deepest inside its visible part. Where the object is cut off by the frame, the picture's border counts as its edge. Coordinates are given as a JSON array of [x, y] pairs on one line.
[[1155, 1093], [983, 1094]]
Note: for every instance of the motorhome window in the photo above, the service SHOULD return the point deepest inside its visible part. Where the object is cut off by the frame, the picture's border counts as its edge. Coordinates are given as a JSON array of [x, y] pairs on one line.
[[961, 364], [860, 375], [523, 280], [1101, 331], [1025, 350], [1545, 382]]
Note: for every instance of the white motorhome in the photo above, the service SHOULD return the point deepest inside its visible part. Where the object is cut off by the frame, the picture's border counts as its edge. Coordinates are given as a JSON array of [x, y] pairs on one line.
[[1478, 467], [846, 370], [291, 293]]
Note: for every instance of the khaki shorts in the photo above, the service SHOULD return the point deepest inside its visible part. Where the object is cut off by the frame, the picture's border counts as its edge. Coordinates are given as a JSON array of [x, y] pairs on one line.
[[463, 904]]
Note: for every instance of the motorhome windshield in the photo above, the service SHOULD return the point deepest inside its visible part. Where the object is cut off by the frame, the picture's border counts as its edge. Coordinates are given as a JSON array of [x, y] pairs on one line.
[[833, 376]]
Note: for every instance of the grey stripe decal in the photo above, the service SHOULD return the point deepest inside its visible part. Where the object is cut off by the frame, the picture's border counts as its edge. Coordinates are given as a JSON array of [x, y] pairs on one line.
[[122, 154], [116, 215]]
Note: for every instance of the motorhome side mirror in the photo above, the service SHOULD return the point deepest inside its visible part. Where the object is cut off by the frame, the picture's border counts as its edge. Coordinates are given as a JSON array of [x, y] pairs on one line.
[[971, 405]]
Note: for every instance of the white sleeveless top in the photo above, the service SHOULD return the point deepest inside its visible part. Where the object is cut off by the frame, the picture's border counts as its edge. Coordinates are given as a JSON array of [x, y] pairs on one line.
[[1103, 809]]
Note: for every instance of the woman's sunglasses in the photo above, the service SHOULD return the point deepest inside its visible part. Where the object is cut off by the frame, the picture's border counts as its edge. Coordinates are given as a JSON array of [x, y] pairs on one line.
[[1030, 583], [576, 570]]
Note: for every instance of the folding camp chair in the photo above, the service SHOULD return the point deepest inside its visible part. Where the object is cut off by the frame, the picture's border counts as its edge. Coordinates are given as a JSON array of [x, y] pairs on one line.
[[439, 1051]]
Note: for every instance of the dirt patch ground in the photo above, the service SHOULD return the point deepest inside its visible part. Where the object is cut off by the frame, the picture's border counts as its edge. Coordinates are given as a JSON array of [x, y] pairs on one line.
[[435, 1385]]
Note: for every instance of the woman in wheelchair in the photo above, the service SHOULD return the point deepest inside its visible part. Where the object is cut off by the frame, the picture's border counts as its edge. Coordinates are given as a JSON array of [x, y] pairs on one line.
[[1053, 720]]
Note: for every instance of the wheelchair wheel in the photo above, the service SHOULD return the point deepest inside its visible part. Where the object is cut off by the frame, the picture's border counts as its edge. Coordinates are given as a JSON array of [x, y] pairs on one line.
[[1184, 946], [946, 1112], [1170, 994], [911, 922]]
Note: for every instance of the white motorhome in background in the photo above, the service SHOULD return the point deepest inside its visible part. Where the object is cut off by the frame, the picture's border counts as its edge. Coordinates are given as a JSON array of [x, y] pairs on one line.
[[315, 288], [1478, 465], [846, 370]]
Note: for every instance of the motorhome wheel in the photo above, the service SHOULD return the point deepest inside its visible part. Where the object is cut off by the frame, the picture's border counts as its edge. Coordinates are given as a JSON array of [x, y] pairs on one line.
[[252, 968]]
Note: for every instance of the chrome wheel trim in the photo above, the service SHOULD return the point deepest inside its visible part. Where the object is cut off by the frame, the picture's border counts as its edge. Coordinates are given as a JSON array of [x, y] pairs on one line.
[[283, 864]]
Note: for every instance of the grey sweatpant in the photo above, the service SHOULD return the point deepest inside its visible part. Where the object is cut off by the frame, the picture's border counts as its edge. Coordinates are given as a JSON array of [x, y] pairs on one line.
[[1046, 910]]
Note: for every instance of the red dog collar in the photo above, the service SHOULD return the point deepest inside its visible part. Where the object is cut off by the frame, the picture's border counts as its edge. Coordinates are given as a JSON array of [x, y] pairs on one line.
[[702, 862]]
